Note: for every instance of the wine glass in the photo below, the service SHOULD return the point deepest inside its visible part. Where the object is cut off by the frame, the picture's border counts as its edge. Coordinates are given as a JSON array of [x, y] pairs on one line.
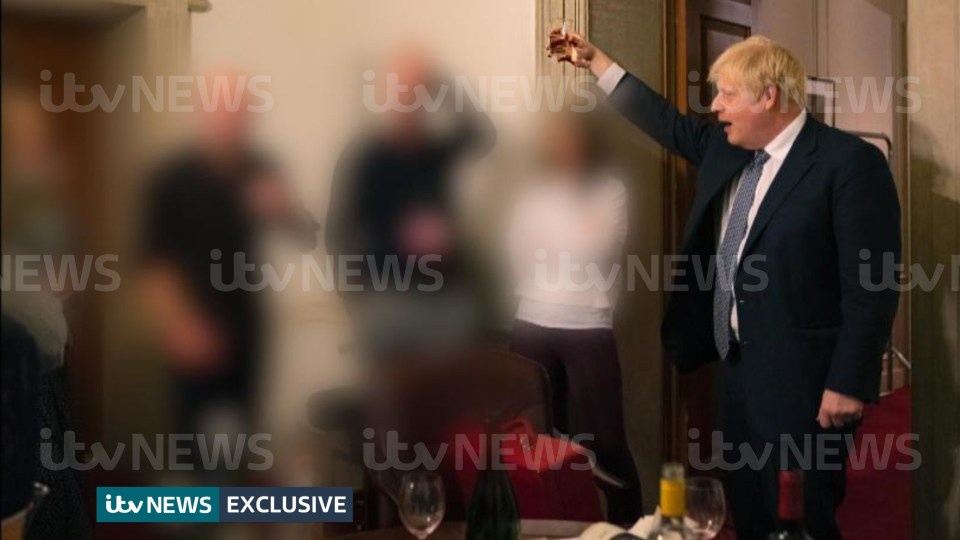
[[559, 47], [706, 507], [421, 503]]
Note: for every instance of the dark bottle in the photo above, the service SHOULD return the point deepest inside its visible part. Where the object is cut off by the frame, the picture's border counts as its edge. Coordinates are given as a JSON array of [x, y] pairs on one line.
[[492, 514], [790, 508]]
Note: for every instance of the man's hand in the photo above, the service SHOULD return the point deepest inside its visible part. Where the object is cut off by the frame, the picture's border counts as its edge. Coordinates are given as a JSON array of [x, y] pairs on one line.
[[837, 410], [195, 343], [425, 231], [572, 47], [267, 199], [196, 346]]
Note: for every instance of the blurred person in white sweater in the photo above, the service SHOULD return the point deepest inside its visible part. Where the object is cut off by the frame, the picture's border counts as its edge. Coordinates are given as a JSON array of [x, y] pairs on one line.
[[565, 241]]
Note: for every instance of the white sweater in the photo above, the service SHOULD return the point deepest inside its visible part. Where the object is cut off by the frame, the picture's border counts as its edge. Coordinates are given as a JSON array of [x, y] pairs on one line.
[[565, 239]]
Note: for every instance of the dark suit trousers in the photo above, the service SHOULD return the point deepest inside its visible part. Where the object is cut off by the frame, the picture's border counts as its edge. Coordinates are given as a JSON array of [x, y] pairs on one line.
[[584, 372], [753, 491]]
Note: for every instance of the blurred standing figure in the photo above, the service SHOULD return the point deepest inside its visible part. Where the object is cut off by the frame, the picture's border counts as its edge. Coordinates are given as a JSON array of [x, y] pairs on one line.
[[574, 218], [392, 204], [204, 209]]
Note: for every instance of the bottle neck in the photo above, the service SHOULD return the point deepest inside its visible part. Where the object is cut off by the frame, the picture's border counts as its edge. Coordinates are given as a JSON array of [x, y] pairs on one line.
[[790, 507], [673, 521], [492, 447], [490, 450]]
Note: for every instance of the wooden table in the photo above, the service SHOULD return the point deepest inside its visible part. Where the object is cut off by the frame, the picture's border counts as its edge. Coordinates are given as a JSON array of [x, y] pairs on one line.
[[14, 526], [529, 528]]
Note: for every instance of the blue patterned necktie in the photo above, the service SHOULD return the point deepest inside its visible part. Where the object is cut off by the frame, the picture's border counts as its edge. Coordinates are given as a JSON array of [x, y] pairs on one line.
[[729, 249]]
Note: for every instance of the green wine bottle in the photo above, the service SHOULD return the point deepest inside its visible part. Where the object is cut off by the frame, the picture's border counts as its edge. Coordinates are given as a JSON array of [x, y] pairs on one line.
[[492, 514]]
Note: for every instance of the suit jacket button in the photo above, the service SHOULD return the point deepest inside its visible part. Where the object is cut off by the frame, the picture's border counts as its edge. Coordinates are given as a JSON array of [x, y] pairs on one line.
[[741, 302], [744, 343]]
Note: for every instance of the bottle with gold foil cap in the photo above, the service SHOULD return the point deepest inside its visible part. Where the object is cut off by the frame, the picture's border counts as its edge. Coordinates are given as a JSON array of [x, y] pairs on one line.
[[672, 504]]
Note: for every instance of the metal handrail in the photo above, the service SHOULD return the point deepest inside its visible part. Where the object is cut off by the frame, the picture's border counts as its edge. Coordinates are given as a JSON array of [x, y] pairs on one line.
[[876, 135], [900, 357], [890, 355]]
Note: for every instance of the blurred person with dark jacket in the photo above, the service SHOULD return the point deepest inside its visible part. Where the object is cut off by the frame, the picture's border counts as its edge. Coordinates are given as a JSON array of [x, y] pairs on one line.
[[392, 203], [203, 212]]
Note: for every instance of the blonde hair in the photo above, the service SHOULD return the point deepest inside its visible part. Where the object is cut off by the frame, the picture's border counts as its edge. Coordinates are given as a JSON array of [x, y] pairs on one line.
[[759, 62]]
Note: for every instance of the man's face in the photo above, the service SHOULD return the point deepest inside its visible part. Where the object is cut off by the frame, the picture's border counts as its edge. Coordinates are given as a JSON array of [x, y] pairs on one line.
[[563, 142], [224, 120], [412, 69], [743, 113]]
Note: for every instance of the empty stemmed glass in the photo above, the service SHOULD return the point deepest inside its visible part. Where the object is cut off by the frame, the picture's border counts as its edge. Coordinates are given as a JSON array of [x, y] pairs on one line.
[[558, 46], [706, 507], [421, 503]]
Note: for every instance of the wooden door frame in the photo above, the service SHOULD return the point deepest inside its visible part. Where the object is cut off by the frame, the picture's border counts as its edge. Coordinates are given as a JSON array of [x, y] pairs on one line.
[[159, 35], [154, 36], [676, 173]]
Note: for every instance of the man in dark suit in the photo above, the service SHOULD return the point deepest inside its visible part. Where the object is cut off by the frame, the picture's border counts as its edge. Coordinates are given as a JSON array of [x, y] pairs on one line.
[[802, 222]]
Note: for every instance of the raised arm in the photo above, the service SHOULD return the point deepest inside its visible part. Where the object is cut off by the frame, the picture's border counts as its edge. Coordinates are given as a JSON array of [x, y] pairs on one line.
[[645, 108]]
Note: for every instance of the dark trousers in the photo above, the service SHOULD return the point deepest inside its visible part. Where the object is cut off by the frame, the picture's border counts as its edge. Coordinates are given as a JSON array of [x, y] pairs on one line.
[[584, 370], [753, 491], [197, 397]]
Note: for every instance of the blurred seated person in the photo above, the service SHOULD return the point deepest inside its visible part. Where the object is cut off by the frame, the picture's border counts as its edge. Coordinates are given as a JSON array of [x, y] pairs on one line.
[[572, 217], [392, 204], [37, 222]]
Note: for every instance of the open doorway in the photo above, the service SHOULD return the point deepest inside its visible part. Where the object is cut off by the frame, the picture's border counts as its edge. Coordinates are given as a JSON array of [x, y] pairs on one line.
[[48, 57], [61, 151]]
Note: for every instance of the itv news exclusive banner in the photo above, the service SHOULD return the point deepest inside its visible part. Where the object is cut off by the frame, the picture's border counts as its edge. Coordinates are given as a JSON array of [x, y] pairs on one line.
[[224, 504]]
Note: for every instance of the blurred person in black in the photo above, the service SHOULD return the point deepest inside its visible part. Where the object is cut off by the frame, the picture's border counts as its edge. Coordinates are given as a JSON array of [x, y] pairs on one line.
[[205, 208], [392, 202], [21, 421], [37, 401]]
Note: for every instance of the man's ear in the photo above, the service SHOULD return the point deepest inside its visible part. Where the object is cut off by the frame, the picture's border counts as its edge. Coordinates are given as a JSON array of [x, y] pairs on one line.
[[770, 97]]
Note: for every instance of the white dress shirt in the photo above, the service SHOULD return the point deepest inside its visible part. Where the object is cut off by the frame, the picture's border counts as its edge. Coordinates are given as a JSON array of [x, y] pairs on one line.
[[778, 149], [611, 78]]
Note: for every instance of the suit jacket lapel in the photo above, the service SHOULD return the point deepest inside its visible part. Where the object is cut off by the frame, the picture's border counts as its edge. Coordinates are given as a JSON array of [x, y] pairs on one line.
[[796, 165], [713, 184]]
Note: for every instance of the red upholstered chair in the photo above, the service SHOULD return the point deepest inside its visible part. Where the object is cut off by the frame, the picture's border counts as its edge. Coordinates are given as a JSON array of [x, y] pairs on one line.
[[551, 478], [443, 402]]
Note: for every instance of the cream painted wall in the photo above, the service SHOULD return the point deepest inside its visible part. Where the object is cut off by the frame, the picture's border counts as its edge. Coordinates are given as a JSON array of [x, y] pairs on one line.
[[849, 40], [860, 49], [631, 31], [316, 52], [793, 24], [153, 40], [934, 57]]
